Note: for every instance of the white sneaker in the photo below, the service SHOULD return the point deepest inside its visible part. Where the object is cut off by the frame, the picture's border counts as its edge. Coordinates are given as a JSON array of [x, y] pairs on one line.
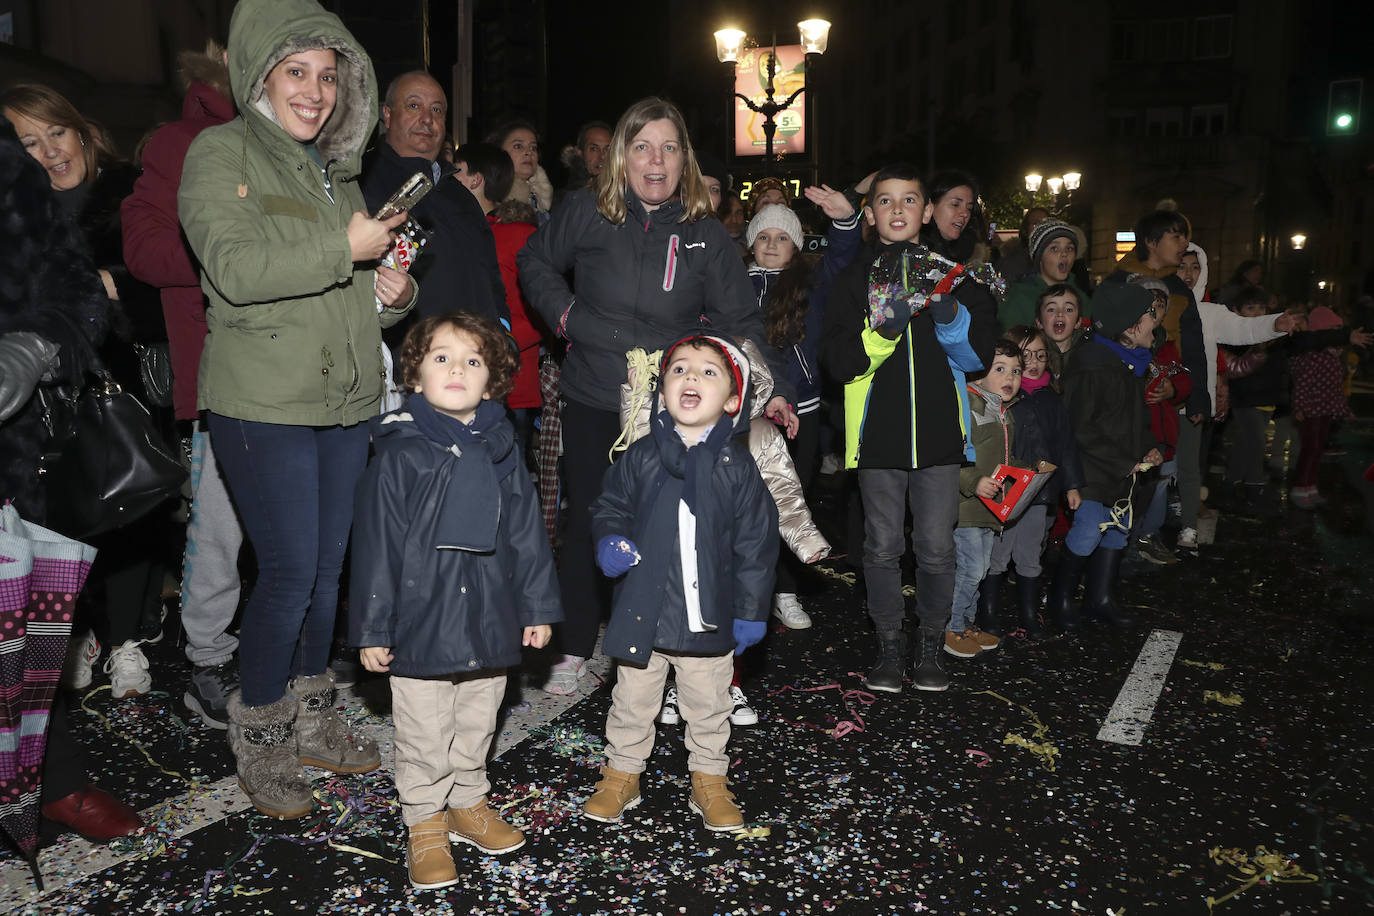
[[669, 714], [128, 671], [743, 713], [788, 609], [563, 677], [81, 655]]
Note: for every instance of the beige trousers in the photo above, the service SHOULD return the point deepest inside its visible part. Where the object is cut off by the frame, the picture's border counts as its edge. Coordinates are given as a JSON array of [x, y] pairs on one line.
[[444, 727], [703, 694]]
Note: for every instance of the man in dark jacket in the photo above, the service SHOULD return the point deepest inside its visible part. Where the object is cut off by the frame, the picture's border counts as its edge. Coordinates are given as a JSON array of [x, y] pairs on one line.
[[156, 253], [1105, 390], [457, 268]]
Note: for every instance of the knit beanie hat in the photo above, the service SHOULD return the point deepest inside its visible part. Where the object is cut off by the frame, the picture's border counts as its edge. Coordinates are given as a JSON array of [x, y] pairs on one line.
[[1117, 306], [775, 216], [735, 360], [1044, 233]]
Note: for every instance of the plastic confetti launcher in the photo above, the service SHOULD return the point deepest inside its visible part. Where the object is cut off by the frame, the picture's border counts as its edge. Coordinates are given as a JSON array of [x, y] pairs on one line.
[[908, 278], [410, 239]]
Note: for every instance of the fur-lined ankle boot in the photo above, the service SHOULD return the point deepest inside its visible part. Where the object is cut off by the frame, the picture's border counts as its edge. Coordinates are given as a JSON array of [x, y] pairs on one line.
[[264, 746], [323, 738]]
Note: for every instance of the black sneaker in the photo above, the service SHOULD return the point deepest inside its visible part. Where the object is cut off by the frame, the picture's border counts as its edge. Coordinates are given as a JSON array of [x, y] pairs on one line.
[[207, 695]]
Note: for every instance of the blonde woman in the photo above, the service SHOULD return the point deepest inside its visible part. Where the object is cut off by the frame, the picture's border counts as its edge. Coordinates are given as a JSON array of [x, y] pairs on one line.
[[651, 265]]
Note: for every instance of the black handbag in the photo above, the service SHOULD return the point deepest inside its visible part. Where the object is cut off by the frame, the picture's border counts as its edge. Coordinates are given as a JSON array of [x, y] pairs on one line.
[[105, 464], [155, 371]]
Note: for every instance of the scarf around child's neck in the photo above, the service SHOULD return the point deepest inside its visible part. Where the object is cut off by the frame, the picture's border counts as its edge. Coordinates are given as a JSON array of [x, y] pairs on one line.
[[681, 493], [1137, 359], [486, 451], [1032, 385]]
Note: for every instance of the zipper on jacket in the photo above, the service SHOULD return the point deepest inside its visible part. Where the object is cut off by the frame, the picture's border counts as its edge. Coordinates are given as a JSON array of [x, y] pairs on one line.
[[911, 384], [326, 363]]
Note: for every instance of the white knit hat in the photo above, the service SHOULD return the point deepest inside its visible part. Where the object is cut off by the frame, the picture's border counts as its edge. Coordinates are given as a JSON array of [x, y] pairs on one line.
[[775, 216]]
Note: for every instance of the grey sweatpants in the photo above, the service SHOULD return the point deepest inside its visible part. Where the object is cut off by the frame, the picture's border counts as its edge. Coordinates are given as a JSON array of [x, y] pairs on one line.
[[210, 567]]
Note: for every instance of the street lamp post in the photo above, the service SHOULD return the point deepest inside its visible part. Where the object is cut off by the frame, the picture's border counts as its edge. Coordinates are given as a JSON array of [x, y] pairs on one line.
[[815, 38], [1069, 182]]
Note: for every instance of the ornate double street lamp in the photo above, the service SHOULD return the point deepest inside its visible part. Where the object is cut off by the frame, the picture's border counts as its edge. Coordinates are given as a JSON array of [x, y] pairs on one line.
[[1070, 181], [815, 38]]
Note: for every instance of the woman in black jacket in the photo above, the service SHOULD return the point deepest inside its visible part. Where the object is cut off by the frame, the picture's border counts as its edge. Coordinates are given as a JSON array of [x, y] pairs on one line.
[[953, 231], [88, 184], [52, 316], [650, 265]]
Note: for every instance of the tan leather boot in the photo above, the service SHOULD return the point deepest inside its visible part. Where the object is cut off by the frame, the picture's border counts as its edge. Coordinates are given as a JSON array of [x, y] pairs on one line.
[[615, 794], [429, 858], [713, 800], [482, 827]]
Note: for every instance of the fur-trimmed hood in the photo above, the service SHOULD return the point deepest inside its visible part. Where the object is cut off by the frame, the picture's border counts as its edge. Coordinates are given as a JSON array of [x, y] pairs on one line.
[[261, 34]]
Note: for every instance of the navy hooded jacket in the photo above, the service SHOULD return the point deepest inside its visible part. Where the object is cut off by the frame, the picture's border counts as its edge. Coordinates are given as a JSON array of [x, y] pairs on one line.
[[440, 607]]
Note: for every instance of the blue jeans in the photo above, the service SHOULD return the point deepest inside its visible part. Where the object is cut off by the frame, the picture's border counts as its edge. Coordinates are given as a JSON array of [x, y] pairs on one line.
[[293, 487], [1085, 535], [972, 554], [933, 495]]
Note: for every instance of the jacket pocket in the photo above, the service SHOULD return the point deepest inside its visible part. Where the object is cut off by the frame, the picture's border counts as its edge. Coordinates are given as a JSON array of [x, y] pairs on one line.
[[277, 205]]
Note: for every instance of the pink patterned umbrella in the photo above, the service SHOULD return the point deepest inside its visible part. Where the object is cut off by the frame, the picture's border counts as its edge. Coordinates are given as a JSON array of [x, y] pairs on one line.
[[41, 573]]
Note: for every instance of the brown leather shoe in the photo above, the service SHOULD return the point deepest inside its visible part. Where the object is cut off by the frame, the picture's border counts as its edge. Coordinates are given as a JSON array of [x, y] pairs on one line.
[[429, 858], [95, 814], [482, 827], [615, 794], [715, 802]]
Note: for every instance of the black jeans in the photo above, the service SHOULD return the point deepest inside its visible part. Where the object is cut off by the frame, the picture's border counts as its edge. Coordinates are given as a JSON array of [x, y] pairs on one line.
[[587, 436]]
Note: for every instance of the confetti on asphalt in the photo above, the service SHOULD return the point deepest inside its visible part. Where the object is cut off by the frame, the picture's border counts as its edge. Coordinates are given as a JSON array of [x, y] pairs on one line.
[[992, 797]]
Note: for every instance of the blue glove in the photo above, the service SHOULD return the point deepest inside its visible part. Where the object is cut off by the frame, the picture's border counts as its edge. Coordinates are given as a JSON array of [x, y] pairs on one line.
[[615, 555], [748, 633], [943, 308]]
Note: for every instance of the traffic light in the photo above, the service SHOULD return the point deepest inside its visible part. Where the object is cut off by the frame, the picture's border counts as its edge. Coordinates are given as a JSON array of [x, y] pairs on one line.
[[1343, 100]]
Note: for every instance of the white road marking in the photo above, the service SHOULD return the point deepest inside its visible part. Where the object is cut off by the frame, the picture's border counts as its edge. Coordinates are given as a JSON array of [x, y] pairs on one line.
[[1135, 704]]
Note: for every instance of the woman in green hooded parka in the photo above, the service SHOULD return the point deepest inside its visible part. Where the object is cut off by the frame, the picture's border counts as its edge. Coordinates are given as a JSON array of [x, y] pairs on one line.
[[292, 365]]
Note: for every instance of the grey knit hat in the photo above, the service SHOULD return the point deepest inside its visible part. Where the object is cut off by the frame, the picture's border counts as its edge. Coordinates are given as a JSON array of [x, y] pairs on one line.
[[1044, 233], [775, 216]]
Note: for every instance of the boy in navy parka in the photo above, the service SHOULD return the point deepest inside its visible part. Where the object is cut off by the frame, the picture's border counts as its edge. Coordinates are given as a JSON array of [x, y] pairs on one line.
[[452, 573], [686, 519]]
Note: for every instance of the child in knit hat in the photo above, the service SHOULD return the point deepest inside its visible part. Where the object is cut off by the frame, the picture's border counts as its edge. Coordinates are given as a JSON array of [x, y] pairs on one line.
[[1054, 246]]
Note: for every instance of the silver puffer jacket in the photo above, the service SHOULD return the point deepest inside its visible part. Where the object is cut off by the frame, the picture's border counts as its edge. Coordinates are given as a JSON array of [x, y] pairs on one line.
[[767, 445]]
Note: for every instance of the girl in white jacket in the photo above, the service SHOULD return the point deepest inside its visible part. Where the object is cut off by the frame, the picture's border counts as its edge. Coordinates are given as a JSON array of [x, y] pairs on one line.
[[1219, 325]]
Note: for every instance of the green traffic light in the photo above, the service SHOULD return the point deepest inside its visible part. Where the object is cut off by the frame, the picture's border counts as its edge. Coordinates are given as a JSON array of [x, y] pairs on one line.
[[1344, 120]]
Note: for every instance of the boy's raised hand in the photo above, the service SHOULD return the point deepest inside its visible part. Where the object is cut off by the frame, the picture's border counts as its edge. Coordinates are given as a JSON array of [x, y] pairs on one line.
[[376, 659], [537, 637], [615, 555], [748, 633], [832, 203]]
